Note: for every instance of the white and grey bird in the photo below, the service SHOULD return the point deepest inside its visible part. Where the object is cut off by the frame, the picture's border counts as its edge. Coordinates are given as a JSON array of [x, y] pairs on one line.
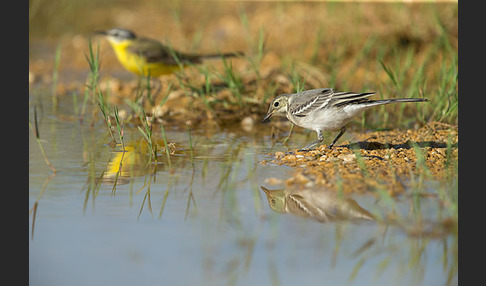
[[324, 109], [316, 203]]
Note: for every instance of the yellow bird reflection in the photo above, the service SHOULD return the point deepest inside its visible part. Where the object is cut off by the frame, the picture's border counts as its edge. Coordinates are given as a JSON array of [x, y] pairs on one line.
[[133, 162], [123, 165]]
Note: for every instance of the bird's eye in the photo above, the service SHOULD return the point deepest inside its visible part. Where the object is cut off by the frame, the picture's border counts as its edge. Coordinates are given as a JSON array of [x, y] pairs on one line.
[[276, 104], [272, 201]]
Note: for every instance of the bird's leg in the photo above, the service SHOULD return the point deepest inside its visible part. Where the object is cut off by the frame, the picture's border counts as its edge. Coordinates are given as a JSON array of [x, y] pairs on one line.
[[313, 144], [290, 133], [343, 129]]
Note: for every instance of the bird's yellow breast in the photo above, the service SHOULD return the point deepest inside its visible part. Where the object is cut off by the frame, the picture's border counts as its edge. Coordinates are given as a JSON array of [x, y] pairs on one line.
[[137, 63]]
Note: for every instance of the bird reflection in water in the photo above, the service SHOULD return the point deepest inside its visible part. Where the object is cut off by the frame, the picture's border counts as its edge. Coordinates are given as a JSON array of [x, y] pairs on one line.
[[317, 204], [134, 160], [126, 164]]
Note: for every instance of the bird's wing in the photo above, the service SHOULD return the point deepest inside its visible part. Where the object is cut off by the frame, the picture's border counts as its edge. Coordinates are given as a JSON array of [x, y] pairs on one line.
[[155, 52], [297, 205], [342, 98], [301, 104]]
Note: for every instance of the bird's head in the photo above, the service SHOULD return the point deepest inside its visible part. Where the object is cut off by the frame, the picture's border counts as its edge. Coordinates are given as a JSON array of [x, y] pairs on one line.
[[276, 199], [117, 35], [278, 107]]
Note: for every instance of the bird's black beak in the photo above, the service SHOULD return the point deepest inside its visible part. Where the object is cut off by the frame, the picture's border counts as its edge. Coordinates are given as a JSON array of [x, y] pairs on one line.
[[265, 119], [267, 191]]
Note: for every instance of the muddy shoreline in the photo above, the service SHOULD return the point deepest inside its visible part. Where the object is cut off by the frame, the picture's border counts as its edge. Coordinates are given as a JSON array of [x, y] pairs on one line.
[[391, 160]]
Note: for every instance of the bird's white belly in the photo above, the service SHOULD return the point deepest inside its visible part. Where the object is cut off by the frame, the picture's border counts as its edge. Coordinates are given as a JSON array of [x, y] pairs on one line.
[[327, 119]]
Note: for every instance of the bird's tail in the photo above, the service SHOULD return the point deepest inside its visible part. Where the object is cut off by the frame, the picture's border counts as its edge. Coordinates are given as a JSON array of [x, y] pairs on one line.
[[221, 55], [394, 100]]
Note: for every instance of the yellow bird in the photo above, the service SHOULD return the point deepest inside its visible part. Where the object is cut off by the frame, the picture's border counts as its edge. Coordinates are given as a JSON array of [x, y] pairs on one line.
[[145, 56]]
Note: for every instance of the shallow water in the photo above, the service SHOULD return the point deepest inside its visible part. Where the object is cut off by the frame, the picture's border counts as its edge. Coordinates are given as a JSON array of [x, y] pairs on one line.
[[203, 224]]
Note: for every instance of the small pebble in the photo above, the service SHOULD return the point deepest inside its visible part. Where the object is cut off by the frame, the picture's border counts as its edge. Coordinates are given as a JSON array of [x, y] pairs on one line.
[[279, 154], [248, 123], [347, 157], [273, 181]]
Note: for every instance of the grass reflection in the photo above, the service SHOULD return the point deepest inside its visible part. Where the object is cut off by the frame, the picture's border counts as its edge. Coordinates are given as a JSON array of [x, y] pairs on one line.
[[33, 210], [135, 162], [34, 127]]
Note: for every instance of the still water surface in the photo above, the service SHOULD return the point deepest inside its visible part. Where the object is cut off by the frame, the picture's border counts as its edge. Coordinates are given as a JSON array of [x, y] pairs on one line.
[[207, 224]]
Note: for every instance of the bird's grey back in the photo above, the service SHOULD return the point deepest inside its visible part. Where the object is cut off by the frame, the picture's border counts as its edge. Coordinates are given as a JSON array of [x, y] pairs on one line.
[[300, 103]]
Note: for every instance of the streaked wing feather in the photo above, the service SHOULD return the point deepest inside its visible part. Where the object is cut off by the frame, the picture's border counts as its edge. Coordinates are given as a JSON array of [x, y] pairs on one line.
[[299, 206], [305, 102], [341, 98]]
